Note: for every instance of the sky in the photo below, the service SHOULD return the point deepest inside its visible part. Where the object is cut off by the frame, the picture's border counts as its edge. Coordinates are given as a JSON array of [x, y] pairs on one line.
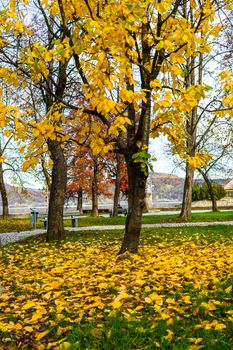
[[164, 163]]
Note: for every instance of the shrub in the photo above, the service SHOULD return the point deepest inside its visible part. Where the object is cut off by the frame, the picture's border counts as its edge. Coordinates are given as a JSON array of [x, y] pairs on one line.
[[201, 192]]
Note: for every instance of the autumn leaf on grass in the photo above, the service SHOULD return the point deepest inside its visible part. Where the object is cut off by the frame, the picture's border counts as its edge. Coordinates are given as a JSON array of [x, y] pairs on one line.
[[28, 305], [170, 335], [65, 346], [220, 327], [40, 335], [186, 299], [116, 304], [228, 289], [28, 329]]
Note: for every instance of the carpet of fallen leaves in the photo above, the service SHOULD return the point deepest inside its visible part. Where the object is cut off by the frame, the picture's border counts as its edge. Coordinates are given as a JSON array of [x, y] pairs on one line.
[[45, 289]]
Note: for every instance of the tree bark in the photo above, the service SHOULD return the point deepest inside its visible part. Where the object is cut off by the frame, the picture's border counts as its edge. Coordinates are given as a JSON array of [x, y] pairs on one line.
[[94, 193], [80, 201], [137, 186], [191, 128], [210, 188], [117, 187], [57, 193], [186, 210], [5, 209]]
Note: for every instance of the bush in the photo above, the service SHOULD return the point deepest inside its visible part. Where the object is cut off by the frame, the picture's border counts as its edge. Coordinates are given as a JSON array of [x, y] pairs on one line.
[[201, 192]]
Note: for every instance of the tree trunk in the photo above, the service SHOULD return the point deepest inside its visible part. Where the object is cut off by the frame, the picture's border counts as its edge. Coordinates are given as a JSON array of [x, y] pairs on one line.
[[210, 188], [95, 211], [137, 187], [191, 128], [80, 201], [57, 193], [5, 209], [186, 210], [117, 187]]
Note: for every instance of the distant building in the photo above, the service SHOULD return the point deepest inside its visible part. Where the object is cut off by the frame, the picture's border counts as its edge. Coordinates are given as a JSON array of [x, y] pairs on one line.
[[229, 188]]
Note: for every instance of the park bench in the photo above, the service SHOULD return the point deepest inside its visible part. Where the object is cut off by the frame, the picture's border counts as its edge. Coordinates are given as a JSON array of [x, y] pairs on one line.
[[120, 210], [73, 218]]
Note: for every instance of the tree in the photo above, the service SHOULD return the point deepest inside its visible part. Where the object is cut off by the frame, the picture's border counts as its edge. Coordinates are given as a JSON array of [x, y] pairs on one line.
[[127, 57], [121, 39], [5, 209], [27, 67], [87, 174], [116, 168]]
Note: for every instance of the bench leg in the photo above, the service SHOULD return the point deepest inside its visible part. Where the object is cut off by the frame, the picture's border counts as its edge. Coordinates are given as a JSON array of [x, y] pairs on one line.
[[74, 222]]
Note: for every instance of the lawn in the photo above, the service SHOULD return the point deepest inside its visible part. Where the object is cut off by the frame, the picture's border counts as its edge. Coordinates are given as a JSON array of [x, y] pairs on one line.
[[77, 294], [159, 218], [17, 224]]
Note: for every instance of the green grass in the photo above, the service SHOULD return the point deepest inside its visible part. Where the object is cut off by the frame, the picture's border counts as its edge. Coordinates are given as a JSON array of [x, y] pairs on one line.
[[157, 235], [159, 218], [119, 334], [18, 224]]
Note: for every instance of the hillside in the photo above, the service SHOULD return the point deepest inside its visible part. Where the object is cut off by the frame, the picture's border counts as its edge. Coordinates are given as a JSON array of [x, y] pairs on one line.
[[19, 196], [166, 186]]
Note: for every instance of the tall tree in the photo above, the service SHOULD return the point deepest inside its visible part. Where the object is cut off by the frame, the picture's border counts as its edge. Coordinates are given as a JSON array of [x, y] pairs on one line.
[[121, 39]]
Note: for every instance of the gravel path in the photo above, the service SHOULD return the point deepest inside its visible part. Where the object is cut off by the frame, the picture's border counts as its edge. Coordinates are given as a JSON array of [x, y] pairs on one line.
[[11, 237]]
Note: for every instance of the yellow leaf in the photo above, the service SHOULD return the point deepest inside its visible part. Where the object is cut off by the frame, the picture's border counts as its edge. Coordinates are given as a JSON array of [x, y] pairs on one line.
[[28, 305], [102, 285], [116, 304], [186, 299], [2, 159], [40, 335], [28, 329], [195, 340], [170, 335], [220, 326], [228, 289], [65, 346]]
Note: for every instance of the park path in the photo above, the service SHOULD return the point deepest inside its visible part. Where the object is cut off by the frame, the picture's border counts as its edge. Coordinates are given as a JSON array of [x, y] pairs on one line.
[[11, 237]]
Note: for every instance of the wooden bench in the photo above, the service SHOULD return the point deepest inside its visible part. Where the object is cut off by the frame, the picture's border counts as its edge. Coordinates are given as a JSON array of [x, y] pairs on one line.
[[73, 218]]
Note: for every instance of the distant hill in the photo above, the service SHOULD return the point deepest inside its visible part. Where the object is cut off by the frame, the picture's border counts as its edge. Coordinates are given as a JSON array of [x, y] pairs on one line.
[[18, 195], [170, 187], [222, 182], [166, 186]]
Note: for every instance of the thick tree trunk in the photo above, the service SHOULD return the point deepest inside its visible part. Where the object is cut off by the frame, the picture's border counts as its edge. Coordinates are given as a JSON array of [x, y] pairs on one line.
[[95, 211], [57, 193], [117, 187], [80, 201], [5, 209], [211, 191], [186, 210], [137, 186]]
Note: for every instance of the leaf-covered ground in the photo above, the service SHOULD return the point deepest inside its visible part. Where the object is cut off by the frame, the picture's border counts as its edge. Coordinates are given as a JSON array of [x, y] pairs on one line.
[[176, 294]]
